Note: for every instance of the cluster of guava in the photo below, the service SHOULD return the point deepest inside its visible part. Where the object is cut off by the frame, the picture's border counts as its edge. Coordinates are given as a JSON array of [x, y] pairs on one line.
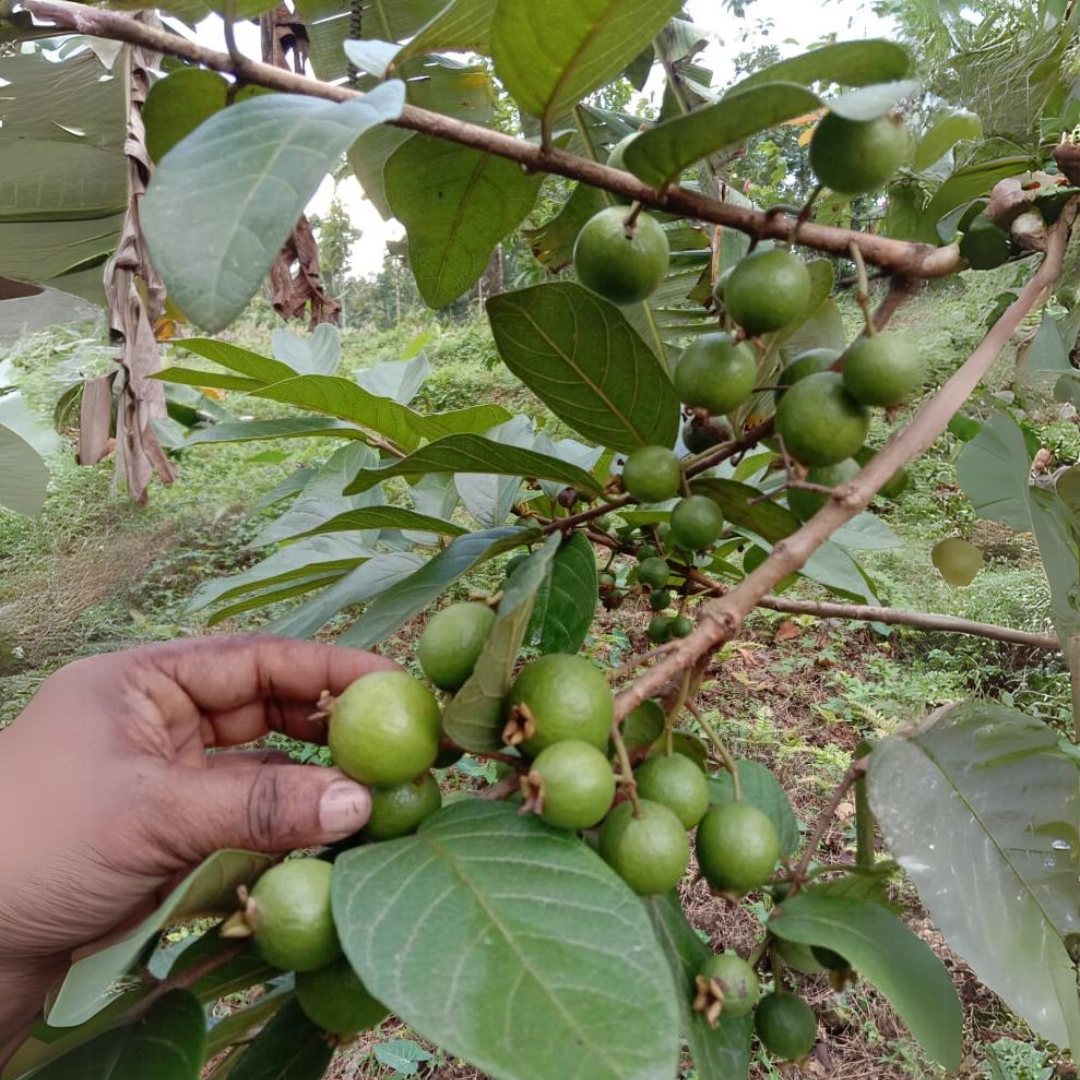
[[823, 397]]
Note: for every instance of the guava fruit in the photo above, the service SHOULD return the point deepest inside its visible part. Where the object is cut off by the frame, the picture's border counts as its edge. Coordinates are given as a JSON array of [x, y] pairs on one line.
[[649, 853], [335, 999], [715, 373], [805, 504], [767, 291], [676, 782], [820, 422], [786, 1026], [737, 847], [885, 369], [574, 784], [624, 264], [452, 642], [652, 474], [853, 157], [289, 915], [696, 522], [400, 810]]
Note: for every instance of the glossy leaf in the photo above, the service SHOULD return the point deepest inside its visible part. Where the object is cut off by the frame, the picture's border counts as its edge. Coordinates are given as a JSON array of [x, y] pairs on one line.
[[167, 1044], [847, 63], [947, 131], [551, 55], [180, 376], [658, 156], [310, 557], [456, 204], [567, 601], [290, 1047], [385, 517], [462, 26], [981, 808], [511, 945], [720, 1054], [887, 954], [581, 357], [474, 718], [412, 595], [553, 242], [253, 365], [224, 200], [210, 888], [24, 476], [994, 472], [761, 789], [472, 453], [374, 576], [341, 397]]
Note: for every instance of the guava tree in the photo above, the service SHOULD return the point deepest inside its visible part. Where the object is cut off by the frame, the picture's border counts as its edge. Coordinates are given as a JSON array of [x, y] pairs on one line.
[[711, 445]]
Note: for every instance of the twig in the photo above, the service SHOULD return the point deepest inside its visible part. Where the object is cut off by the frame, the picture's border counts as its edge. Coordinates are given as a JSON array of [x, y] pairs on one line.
[[507, 786], [898, 256], [720, 619], [725, 755], [184, 980], [862, 294], [567, 523], [625, 767], [917, 620], [613, 674], [856, 770]]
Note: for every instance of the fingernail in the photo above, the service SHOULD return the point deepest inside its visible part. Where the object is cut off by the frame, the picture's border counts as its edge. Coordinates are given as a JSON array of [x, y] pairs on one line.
[[344, 808]]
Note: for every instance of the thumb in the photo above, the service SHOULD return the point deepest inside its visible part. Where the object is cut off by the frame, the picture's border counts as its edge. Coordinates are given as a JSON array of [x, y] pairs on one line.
[[270, 808]]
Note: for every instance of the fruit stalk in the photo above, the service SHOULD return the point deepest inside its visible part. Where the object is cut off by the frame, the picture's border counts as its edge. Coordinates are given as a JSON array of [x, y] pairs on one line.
[[722, 752]]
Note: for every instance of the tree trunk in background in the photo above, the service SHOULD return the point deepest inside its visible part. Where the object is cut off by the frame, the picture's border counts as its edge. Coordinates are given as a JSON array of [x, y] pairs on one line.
[[136, 299], [295, 280], [491, 281]]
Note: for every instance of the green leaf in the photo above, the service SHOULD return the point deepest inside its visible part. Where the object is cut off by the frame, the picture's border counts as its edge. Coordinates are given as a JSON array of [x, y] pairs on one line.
[[761, 789], [549, 56], [462, 26], [167, 1044], [567, 601], [848, 63], [966, 184], [581, 357], [290, 1047], [224, 200], [211, 887], [397, 379], [474, 718], [311, 557], [981, 809], [412, 595], [375, 576], [946, 132], [244, 1024], [468, 453], [253, 365], [372, 56], [402, 1055], [765, 519], [888, 955], [243, 971], [456, 204], [994, 472], [319, 353], [343, 398], [385, 517], [720, 1054], [24, 476], [511, 945], [195, 377], [658, 156], [273, 596]]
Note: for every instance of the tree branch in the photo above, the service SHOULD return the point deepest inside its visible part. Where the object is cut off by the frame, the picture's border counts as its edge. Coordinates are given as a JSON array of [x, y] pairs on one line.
[[897, 256], [720, 619]]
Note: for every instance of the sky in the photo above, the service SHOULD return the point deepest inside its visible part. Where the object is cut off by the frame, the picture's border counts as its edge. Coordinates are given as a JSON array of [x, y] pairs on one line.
[[792, 25]]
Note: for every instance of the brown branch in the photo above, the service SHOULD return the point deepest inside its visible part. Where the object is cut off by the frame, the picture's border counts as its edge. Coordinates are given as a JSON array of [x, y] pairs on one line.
[[856, 771], [917, 620], [720, 619], [184, 980], [897, 256], [507, 786]]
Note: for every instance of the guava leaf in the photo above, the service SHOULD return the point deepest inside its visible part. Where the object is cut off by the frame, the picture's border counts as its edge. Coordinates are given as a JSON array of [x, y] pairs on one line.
[[659, 155], [510, 944], [24, 476], [553, 242], [474, 718], [468, 453], [551, 55], [887, 954], [462, 26], [456, 204], [872, 102], [384, 517], [581, 357], [224, 200], [167, 1044], [847, 63], [761, 789], [409, 597], [980, 808], [292, 427], [946, 132], [567, 600], [210, 888], [720, 1054], [290, 1047]]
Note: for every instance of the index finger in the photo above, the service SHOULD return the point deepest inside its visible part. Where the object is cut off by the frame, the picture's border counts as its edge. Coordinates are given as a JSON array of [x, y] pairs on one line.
[[246, 685]]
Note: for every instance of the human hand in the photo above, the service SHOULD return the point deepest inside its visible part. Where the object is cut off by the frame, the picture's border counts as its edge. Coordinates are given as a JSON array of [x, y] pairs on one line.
[[108, 796]]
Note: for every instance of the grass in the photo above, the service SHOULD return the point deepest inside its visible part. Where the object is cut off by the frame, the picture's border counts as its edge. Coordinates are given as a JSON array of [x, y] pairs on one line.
[[95, 573]]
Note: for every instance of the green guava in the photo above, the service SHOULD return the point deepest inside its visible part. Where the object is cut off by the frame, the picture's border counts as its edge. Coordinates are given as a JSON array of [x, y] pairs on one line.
[[652, 474], [575, 783], [335, 999], [452, 642], [289, 915], [649, 853], [737, 847], [622, 264], [675, 782], [400, 810]]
